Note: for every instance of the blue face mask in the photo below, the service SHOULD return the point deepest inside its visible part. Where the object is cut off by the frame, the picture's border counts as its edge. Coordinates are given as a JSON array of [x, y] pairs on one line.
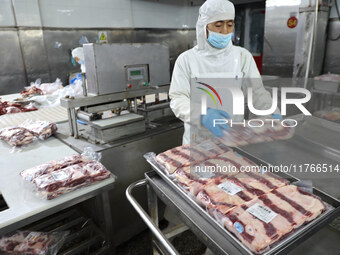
[[219, 41], [81, 62]]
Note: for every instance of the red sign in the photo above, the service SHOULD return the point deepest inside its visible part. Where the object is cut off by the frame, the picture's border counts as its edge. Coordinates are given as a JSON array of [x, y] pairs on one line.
[[292, 22]]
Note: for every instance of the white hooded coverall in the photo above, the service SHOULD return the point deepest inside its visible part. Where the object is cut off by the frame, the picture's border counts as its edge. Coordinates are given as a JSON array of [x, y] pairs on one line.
[[205, 59]]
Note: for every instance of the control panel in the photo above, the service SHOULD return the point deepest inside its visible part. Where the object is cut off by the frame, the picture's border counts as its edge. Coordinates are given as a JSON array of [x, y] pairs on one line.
[[137, 76]]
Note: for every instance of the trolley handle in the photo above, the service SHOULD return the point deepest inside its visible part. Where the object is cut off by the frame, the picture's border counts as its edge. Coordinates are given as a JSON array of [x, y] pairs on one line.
[[147, 219]]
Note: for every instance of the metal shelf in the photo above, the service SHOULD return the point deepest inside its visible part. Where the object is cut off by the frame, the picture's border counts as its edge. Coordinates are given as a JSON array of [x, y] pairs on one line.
[[85, 238]]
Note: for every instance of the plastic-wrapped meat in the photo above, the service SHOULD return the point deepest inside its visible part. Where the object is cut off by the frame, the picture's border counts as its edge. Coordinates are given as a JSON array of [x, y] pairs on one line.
[[11, 107], [41, 129], [194, 176], [332, 115], [33, 90], [187, 154], [58, 182], [264, 220], [54, 165], [239, 136], [16, 136], [223, 195], [31, 243]]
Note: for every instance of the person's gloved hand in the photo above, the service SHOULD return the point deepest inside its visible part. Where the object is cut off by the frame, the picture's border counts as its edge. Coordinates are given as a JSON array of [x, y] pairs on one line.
[[208, 121], [276, 116]]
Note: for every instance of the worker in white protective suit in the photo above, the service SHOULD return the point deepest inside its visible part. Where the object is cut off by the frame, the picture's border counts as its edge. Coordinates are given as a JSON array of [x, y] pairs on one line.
[[78, 55], [214, 56]]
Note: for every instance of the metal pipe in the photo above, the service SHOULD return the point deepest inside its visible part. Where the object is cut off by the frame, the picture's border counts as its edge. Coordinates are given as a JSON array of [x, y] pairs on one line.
[[311, 44], [147, 219], [135, 105], [74, 122], [70, 121], [83, 81]]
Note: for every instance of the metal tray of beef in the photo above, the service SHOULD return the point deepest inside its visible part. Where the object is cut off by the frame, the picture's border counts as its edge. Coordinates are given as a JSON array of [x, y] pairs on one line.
[[282, 246]]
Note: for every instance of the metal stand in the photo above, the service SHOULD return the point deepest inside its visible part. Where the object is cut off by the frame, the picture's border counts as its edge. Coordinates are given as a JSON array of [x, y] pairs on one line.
[[152, 222]]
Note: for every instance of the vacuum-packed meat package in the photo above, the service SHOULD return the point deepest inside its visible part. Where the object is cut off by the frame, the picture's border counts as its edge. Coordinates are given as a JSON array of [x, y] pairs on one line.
[[32, 243], [62, 181], [331, 114], [41, 129], [224, 194], [54, 165], [188, 154], [239, 135], [264, 220], [259, 207], [16, 136]]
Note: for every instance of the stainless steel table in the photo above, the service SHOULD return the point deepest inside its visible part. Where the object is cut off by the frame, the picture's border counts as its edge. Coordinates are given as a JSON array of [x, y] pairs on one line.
[[24, 207]]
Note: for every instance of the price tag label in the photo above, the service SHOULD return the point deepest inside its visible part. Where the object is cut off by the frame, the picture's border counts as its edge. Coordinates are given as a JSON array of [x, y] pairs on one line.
[[204, 175], [60, 176], [207, 145], [262, 212], [230, 188]]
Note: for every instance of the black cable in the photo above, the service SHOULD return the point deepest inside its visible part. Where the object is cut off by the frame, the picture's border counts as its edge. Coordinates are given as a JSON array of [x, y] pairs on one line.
[[338, 12]]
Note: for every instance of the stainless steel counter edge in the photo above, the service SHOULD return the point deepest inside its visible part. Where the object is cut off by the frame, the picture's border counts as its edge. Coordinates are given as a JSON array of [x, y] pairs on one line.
[[92, 100]]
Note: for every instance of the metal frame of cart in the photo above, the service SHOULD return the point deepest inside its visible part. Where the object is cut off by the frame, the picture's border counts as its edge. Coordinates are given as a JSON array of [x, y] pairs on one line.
[[212, 234]]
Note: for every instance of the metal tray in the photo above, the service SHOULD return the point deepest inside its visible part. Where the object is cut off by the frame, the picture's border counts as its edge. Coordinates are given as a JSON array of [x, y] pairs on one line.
[[280, 247]]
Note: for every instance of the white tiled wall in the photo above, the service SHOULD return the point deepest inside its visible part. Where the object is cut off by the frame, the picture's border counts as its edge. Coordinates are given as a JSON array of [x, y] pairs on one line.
[[176, 14], [6, 14]]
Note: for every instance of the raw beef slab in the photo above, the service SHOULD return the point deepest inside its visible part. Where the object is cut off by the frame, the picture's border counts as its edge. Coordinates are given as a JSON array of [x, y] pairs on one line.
[[16, 136], [41, 129], [188, 154], [31, 173], [28, 243], [58, 182], [292, 206]]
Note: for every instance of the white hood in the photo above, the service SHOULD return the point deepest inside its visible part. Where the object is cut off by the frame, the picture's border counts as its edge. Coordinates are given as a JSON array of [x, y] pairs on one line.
[[212, 11]]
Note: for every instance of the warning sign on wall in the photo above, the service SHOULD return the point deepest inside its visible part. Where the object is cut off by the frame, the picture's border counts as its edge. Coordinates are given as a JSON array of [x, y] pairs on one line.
[[102, 35], [292, 22]]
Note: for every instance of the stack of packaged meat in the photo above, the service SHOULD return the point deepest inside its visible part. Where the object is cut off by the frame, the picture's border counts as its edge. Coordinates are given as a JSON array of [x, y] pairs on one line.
[[58, 177], [41, 129], [16, 136], [330, 114], [32, 243], [11, 107], [258, 207], [27, 132]]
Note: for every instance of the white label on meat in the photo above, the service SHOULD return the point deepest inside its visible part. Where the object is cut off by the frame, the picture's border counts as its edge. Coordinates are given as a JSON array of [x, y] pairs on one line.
[[32, 237], [207, 146], [230, 188], [60, 176], [262, 212], [204, 175]]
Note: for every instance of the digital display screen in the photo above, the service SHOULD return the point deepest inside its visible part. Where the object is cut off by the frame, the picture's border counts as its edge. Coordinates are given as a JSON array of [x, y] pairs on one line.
[[135, 72]]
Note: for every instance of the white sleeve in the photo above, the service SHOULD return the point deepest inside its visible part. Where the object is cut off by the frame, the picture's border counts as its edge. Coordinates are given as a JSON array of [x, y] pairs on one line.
[[262, 99], [179, 92]]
